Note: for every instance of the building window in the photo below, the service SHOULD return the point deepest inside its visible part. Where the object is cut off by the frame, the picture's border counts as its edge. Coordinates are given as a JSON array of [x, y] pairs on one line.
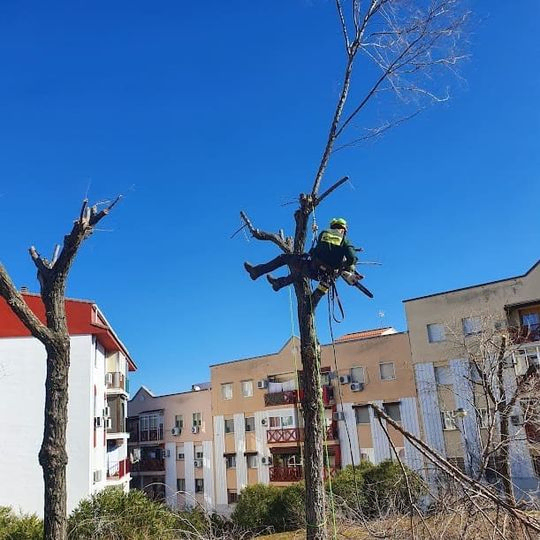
[[199, 485], [229, 425], [179, 421], [199, 454], [277, 422], [536, 465], [387, 371], [247, 388], [252, 461], [197, 419], [362, 414], [180, 453], [230, 461], [471, 325], [250, 423], [357, 374], [436, 332], [232, 496], [448, 420], [443, 375], [226, 391], [180, 484], [482, 417], [392, 410]]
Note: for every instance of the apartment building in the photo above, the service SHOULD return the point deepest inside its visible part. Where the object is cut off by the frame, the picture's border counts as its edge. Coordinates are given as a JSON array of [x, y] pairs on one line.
[[171, 446], [258, 427], [451, 408], [97, 408]]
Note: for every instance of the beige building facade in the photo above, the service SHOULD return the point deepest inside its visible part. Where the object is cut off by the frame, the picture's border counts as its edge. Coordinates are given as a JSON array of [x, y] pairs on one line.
[[258, 428], [171, 446], [451, 410]]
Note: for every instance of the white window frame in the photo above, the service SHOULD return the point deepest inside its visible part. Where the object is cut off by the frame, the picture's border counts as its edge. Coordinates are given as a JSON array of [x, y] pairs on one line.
[[436, 332], [197, 419], [247, 388], [230, 461], [199, 485], [471, 325], [252, 461], [361, 379], [179, 421], [448, 421], [393, 378], [226, 391], [228, 422], [395, 404], [363, 408], [252, 427]]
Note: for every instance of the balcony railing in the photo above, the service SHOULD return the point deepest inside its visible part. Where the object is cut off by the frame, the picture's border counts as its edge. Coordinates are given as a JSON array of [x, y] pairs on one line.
[[295, 473], [526, 334], [281, 398], [284, 435], [332, 432], [292, 473], [327, 395], [118, 469], [145, 465], [151, 435]]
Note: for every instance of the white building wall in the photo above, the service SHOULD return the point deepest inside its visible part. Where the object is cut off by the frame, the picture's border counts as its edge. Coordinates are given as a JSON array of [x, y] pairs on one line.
[[261, 447], [240, 447], [208, 475], [381, 444], [347, 453], [409, 421], [221, 477], [170, 475], [189, 471], [22, 399]]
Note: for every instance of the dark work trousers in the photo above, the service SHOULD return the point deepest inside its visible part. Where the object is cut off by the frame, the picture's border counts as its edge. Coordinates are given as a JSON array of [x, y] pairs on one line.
[[298, 262]]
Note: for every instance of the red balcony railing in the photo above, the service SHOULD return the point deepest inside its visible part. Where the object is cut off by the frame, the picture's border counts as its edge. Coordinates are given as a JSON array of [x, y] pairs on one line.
[[151, 434], [281, 398], [148, 465], [327, 395], [118, 470], [292, 473], [295, 473], [284, 435]]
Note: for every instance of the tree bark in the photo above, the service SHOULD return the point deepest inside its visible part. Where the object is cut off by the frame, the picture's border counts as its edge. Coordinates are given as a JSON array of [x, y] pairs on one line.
[[313, 417]]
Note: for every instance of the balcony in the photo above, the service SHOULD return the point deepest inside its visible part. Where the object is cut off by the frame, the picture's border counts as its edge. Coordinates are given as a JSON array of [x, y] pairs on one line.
[[294, 473], [288, 397], [284, 435], [151, 434], [115, 381], [118, 469], [149, 465], [327, 395], [332, 432], [525, 334]]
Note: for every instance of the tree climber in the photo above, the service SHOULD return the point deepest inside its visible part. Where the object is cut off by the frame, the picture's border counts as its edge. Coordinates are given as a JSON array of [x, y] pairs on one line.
[[331, 255]]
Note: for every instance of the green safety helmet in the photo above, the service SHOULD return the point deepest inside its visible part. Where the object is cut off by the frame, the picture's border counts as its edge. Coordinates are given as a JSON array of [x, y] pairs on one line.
[[338, 223]]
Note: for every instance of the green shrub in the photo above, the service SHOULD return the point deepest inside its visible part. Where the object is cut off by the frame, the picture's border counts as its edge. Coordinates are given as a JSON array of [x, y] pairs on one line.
[[348, 487], [111, 513], [19, 527], [261, 507]]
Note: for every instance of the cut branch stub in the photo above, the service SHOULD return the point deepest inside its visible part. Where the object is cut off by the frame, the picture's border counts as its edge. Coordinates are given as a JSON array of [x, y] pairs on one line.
[[277, 238]]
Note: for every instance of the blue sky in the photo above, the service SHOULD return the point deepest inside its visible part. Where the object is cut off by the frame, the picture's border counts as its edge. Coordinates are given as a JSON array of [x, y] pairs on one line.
[[197, 110]]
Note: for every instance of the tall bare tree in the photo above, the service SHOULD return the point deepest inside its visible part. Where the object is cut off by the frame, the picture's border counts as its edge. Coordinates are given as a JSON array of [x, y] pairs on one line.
[[54, 335], [406, 47]]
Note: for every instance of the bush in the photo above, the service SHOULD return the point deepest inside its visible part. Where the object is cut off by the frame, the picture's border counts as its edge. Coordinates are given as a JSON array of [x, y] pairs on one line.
[[111, 513], [261, 507], [375, 489], [19, 527]]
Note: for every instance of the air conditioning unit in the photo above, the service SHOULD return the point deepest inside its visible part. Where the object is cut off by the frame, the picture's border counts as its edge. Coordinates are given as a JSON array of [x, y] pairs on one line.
[[264, 421], [357, 386], [108, 379], [266, 460], [344, 379], [176, 431], [340, 415], [107, 412], [261, 385], [98, 421], [97, 476], [197, 463], [195, 429]]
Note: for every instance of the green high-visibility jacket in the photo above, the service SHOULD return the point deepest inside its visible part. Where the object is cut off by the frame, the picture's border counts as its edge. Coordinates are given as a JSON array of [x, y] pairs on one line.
[[334, 250]]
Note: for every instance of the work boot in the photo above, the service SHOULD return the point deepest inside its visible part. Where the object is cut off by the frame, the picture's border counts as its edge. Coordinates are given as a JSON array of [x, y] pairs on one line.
[[278, 283], [251, 270]]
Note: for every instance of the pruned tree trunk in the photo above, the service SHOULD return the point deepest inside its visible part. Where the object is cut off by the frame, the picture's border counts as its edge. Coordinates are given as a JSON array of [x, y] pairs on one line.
[[313, 418], [54, 335]]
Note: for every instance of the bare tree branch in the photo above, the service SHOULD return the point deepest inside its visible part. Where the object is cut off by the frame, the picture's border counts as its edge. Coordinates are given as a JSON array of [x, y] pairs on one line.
[[283, 243]]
